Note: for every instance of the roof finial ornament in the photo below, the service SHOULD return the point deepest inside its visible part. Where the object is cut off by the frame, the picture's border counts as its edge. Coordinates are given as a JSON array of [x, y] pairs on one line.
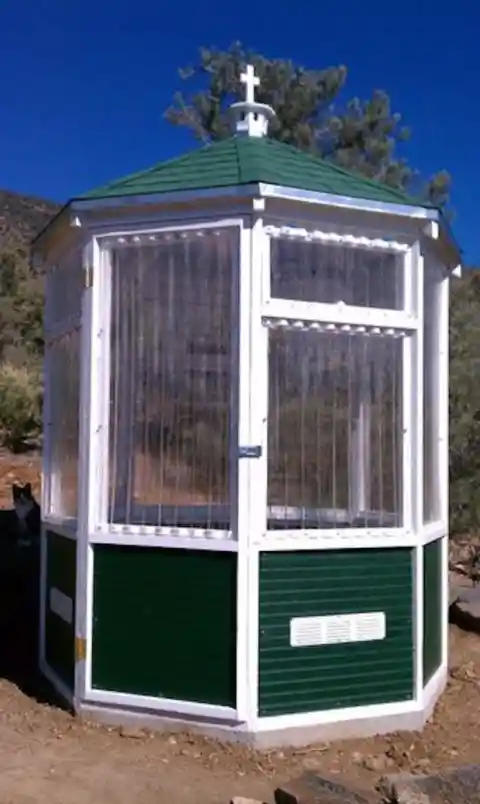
[[251, 118]]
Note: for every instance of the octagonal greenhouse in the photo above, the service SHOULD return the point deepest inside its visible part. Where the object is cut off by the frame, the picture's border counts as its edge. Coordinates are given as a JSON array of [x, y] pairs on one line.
[[245, 498]]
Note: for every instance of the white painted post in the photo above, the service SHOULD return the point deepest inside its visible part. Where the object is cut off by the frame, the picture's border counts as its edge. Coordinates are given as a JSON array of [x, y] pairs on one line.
[[416, 468]]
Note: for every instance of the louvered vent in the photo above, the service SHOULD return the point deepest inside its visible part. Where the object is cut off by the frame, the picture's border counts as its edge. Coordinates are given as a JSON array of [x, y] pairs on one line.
[[338, 628]]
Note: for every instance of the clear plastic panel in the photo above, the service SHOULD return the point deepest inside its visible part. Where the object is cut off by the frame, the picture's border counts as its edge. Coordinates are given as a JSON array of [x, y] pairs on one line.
[[334, 430], [431, 422], [171, 380], [64, 289], [63, 425], [319, 272]]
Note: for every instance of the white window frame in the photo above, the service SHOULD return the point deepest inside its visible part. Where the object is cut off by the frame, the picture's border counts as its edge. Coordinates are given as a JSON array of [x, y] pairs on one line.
[[405, 323], [102, 531], [54, 331]]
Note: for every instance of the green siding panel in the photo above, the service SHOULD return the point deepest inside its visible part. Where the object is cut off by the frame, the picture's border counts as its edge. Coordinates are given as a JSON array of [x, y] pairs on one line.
[[60, 634], [307, 584], [165, 623], [249, 160], [432, 608]]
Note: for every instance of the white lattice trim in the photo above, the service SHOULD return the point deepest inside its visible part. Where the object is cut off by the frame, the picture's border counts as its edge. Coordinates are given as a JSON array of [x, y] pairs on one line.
[[336, 317], [340, 329], [165, 530], [351, 241], [164, 238]]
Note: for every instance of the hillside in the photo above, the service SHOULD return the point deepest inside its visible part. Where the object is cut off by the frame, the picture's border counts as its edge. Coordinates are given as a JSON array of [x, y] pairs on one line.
[[23, 216], [21, 312]]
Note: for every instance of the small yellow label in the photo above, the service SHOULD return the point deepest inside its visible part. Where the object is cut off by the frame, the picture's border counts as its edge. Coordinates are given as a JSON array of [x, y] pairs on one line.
[[88, 275], [80, 649]]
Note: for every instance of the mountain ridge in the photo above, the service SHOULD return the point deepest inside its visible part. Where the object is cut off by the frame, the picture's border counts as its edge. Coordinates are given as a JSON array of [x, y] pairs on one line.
[[23, 216]]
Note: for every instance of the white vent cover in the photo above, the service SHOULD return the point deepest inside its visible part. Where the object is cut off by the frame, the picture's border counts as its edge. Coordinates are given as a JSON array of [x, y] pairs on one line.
[[337, 628], [61, 605]]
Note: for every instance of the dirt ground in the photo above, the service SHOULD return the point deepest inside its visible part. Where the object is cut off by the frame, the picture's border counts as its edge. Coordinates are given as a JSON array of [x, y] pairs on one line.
[[46, 755]]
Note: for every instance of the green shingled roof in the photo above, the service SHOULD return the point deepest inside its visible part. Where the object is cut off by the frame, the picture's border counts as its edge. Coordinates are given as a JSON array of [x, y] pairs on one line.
[[250, 160]]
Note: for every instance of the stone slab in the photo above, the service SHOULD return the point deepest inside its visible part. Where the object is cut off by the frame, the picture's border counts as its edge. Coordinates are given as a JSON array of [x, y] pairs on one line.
[[309, 788], [453, 786], [465, 608]]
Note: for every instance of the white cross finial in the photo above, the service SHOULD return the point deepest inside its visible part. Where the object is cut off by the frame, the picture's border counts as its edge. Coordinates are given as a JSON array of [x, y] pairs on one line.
[[251, 81], [251, 118]]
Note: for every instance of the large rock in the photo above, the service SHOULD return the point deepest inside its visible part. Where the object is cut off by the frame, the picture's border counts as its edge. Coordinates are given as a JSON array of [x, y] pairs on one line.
[[454, 786], [465, 608], [312, 789]]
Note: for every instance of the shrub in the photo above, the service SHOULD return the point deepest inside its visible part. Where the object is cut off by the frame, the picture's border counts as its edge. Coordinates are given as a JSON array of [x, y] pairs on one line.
[[20, 405]]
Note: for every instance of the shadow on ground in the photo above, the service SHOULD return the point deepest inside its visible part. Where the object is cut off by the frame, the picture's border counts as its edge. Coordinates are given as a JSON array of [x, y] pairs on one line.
[[19, 611]]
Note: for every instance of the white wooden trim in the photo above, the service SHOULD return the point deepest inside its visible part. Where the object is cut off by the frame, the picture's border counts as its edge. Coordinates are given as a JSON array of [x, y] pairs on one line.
[[434, 688], [283, 540], [353, 713], [177, 542], [339, 314], [64, 691], [443, 402], [417, 474], [81, 613], [335, 238], [434, 531], [137, 230], [130, 701], [241, 524], [340, 201], [258, 475], [92, 488], [64, 527], [443, 397], [325, 540], [110, 531]]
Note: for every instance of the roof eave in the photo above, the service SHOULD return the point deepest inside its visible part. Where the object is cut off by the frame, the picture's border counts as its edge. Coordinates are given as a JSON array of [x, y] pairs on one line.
[[440, 233], [434, 220], [347, 202], [187, 196]]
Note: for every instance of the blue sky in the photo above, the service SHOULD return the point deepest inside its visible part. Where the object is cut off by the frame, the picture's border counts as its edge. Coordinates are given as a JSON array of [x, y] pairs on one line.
[[84, 84]]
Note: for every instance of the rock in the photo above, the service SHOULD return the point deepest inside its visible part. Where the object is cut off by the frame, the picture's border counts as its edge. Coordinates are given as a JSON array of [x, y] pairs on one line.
[[313, 789], [464, 672], [242, 800], [132, 734], [460, 785], [378, 763], [465, 609]]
